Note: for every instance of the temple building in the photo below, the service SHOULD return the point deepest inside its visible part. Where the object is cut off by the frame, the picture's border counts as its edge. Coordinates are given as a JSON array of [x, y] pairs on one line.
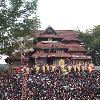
[[56, 47]]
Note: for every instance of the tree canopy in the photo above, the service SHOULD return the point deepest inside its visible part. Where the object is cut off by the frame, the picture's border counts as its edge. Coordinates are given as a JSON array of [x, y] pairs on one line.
[[91, 40], [18, 18]]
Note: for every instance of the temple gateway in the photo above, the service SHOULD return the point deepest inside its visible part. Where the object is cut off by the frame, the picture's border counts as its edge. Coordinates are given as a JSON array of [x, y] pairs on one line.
[[55, 47]]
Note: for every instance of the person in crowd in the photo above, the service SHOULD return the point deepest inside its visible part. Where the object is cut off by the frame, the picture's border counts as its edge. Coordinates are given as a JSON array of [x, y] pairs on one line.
[[52, 85]]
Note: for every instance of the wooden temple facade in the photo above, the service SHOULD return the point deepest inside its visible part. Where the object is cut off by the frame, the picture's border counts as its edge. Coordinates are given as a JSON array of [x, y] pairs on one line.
[[56, 47]]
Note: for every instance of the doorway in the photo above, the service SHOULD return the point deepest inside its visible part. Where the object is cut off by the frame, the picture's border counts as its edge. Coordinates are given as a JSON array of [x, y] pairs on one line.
[[50, 61]]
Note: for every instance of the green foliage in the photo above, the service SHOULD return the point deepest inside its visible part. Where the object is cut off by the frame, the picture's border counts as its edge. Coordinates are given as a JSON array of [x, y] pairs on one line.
[[96, 31], [91, 39], [35, 40], [17, 19]]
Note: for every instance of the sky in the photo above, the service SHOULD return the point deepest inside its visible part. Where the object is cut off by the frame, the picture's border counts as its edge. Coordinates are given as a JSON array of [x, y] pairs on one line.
[[69, 14], [2, 59]]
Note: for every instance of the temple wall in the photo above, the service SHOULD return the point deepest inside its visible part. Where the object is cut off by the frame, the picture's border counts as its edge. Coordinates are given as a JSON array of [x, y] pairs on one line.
[[55, 62], [17, 63], [43, 61], [82, 61], [40, 61]]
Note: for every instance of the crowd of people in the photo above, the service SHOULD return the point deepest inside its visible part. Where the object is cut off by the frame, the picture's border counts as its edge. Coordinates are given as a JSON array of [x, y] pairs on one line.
[[51, 85]]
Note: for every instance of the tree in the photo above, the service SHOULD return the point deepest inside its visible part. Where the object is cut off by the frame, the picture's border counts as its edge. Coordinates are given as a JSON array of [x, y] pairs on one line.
[[17, 19], [96, 43], [91, 40]]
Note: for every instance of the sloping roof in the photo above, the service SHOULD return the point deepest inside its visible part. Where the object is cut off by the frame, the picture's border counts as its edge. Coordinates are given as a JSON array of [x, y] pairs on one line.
[[69, 33], [63, 32], [47, 36], [64, 35], [75, 47], [60, 33], [66, 55], [81, 57], [72, 38], [37, 55], [42, 45], [70, 47]]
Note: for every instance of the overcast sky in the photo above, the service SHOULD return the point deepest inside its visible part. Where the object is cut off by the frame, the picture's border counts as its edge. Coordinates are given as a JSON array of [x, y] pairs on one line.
[[69, 14], [2, 61]]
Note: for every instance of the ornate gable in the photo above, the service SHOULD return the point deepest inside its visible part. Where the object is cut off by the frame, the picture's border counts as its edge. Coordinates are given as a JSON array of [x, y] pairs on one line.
[[49, 30]]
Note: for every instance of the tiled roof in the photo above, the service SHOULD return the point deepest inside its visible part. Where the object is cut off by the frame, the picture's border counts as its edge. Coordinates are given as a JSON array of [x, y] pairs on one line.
[[68, 32], [41, 45], [70, 47], [75, 47], [60, 34], [81, 57], [43, 55], [36, 55], [48, 36], [72, 38]]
